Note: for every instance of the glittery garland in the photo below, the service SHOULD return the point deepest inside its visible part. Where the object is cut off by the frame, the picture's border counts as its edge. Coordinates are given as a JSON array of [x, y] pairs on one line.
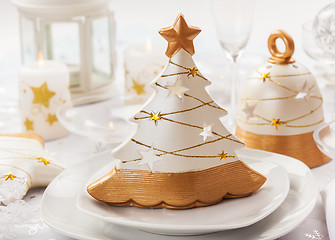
[[162, 116], [190, 71], [278, 122]]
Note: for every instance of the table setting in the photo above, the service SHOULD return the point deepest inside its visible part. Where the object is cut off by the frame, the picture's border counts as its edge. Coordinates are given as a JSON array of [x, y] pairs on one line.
[[189, 120]]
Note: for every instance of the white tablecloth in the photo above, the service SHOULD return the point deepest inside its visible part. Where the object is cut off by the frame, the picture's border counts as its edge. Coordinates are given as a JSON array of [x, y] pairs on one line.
[[137, 20]]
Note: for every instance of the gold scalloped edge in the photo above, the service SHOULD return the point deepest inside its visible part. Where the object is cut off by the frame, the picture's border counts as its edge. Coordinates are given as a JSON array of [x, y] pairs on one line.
[[299, 146], [145, 189]]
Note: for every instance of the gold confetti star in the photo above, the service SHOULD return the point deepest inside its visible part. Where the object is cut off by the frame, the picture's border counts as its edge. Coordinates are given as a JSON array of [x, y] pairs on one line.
[[9, 176], [29, 125], [42, 95], [223, 155], [179, 35], [43, 160], [264, 76], [276, 123], [52, 119], [155, 116], [139, 88], [192, 72]]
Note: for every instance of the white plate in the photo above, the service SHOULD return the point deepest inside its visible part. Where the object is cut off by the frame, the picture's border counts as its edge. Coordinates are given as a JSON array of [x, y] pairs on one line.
[[228, 214], [60, 212], [324, 136]]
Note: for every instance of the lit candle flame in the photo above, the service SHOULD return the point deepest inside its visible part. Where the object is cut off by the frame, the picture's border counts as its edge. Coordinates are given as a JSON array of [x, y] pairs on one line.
[[111, 125], [40, 58], [148, 45]]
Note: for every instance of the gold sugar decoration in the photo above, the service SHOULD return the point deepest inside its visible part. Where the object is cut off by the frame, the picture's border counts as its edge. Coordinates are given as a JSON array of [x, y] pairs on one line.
[[9, 176], [20, 169], [43, 160], [223, 155], [192, 72], [276, 123], [155, 116], [264, 76]]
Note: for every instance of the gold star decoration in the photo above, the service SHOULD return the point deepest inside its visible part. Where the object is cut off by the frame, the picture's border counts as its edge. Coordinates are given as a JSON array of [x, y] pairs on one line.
[[264, 76], [29, 125], [155, 116], [193, 71], [139, 88], [42, 95], [179, 35], [223, 155], [9, 176], [43, 160], [51, 119], [276, 123]]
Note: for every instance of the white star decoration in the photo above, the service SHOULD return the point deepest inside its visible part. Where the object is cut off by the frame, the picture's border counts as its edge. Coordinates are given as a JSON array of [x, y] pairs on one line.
[[149, 158], [177, 89], [304, 93], [207, 131], [249, 109]]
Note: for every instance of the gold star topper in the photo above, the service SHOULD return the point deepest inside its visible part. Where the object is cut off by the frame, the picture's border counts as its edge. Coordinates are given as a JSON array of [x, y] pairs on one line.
[[42, 95], [9, 176], [179, 35]]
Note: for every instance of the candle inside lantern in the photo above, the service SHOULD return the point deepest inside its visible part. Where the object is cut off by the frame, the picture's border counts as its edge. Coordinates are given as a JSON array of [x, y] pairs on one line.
[[43, 87], [142, 64]]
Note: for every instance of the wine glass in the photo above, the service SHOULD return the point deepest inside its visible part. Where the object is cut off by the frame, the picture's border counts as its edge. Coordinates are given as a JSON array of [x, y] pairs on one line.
[[233, 21]]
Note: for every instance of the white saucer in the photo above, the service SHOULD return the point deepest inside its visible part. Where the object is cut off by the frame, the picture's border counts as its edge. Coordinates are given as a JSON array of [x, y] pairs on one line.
[[228, 214], [60, 212]]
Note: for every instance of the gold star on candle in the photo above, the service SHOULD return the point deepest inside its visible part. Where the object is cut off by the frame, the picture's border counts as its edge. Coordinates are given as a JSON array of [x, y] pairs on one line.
[[155, 116], [139, 88], [276, 123], [223, 155], [179, 35], [193, 71], [51, 119], [264, 76], [42, 95], [43, 160], [9, 176], [29, 125]]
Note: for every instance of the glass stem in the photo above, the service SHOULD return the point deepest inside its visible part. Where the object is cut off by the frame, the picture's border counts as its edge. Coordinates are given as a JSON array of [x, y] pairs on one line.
[[234, 89]]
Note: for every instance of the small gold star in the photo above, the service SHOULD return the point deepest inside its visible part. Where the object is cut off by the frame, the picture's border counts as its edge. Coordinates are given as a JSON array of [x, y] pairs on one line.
[[155, 116], [264, 76], [192, 72], [29, 125], [276, 123], [51, 118], [179, 36], [43, 160], [42, 95], [139, 88], [9, 176], [223, 155]]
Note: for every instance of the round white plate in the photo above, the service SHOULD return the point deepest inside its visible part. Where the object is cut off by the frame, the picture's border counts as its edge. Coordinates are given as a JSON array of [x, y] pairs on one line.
[[60, 212], [228, 214]]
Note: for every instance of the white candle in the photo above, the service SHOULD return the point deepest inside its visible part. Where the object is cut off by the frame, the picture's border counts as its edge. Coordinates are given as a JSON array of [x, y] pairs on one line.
[[142, 64], [43, 87]]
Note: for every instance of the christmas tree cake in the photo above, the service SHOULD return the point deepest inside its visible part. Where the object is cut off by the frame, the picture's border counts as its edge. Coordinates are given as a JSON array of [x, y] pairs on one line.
[[181, 155]]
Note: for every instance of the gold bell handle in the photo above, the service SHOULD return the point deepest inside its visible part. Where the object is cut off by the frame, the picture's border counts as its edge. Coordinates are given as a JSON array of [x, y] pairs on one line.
[[281, 57]]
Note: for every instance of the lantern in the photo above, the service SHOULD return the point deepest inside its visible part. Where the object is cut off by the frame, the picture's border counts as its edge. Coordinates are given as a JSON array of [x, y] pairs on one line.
[[79, 33]]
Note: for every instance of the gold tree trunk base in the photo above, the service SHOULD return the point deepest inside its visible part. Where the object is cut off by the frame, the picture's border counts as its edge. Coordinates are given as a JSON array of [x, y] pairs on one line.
[[145, 189], [300, 146]]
